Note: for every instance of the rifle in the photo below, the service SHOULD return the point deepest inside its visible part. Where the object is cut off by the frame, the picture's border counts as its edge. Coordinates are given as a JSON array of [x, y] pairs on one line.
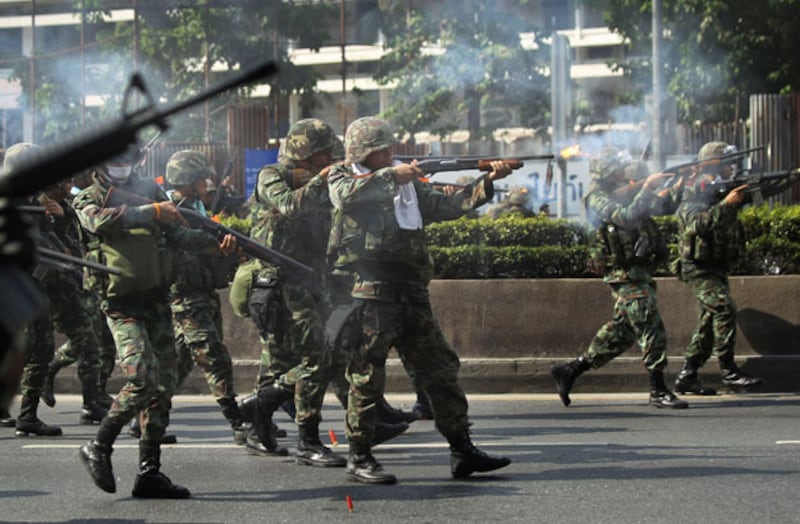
[[144, 151], [221, 196], [117, 197], [51, 257], [52, 164], [759, 185], [432, 166], [627, 192]]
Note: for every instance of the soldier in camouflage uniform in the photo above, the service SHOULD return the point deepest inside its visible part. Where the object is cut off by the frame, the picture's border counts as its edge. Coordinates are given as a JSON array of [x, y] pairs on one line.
[[195, 304], [381, 240], [627, 250], [67, 354], [515, 203], [288, 308], [136, 238], [711, 240], [38, 337], [68, 307]]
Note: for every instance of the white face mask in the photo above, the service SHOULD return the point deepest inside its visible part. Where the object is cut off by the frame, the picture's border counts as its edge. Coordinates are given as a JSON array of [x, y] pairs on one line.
[[119, 173]]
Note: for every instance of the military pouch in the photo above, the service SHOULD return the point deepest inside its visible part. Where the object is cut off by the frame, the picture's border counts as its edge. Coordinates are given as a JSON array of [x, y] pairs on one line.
[[242, 287], [266, 306], [343, 328], [143, 263]]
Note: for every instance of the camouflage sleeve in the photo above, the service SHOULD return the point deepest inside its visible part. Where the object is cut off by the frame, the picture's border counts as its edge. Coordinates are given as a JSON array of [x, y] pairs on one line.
[[348, 190], [109, 220], [700, 219], [610, 211], [191, 239], [274, 192], [435, 205]]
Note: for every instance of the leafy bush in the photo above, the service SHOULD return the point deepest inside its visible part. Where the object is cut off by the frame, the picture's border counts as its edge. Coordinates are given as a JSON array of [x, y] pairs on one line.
[[518, 247]]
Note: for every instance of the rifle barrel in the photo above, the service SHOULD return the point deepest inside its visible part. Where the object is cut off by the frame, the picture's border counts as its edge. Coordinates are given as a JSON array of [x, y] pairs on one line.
[[69, 260]]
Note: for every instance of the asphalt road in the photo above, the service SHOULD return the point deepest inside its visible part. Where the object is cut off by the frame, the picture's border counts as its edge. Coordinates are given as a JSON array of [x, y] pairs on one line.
[[607, 458]]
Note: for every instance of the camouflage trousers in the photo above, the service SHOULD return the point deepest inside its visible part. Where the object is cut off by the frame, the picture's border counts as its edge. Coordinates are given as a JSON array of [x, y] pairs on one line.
[[198, 340], [143, 334], [716, 328], [39, 347], [294, 354], [635, 319], [68, 308], [408, 325], [68, 353]]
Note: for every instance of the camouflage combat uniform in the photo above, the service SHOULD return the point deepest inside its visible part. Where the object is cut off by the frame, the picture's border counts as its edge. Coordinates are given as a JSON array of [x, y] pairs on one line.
[[627, 249], [69, 308], [137, 309], [516, 203], [711, 239], [195, 304], [391, 268]]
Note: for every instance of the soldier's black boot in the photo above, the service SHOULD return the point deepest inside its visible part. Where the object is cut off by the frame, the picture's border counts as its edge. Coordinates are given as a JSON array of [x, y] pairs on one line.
[[230, 410], [248, 407], [466, 459], [388, 414], [565, 375], [48, 394], [135, 430], [91, 411], [660, 396], [150, 482], [362, 467], [261, 440], [311, 451], [96, 456], [6, 420], [688, 381], [384, 432], [734, 378], [29, 424], [422, 408]]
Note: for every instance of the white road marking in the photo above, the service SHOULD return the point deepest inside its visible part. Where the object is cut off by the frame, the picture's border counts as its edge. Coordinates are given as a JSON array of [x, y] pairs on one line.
[[425, 445]]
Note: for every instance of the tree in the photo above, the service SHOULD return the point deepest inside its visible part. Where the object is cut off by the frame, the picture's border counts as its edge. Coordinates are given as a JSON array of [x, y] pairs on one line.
[[716, 52], [170, 43], [462, 58]]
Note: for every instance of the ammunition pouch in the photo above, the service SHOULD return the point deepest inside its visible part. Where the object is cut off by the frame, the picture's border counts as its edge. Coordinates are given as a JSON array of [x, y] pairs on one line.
[[343, 328], [266, 306]]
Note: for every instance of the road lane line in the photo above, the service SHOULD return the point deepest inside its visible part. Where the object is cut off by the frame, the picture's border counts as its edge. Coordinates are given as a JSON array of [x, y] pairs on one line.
[[426, 445]]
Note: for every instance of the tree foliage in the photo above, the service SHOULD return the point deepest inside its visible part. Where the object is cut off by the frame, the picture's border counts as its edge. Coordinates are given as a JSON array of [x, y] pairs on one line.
[[449, 58], [716, 52], [170, 44]]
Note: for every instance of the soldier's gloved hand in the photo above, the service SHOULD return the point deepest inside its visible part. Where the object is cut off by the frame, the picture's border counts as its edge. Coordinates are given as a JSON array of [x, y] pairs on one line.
[[17, 236]]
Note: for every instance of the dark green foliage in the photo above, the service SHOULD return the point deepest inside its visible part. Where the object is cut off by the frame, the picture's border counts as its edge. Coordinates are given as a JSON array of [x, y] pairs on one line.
[[517, 247]]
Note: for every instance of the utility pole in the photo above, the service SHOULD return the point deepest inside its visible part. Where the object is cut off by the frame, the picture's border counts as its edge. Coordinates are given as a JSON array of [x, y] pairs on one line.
[[658, 88]]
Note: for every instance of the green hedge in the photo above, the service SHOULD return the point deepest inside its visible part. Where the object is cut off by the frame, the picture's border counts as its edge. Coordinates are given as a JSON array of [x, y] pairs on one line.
[[517, 247]]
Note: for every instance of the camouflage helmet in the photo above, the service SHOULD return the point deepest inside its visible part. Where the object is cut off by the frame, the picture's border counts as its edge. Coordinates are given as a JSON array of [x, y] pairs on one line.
[[337, 151], [518, 195], [715, 150], [365, 136], [187, 166], [306, 137], [608, 162], [18, 151]]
